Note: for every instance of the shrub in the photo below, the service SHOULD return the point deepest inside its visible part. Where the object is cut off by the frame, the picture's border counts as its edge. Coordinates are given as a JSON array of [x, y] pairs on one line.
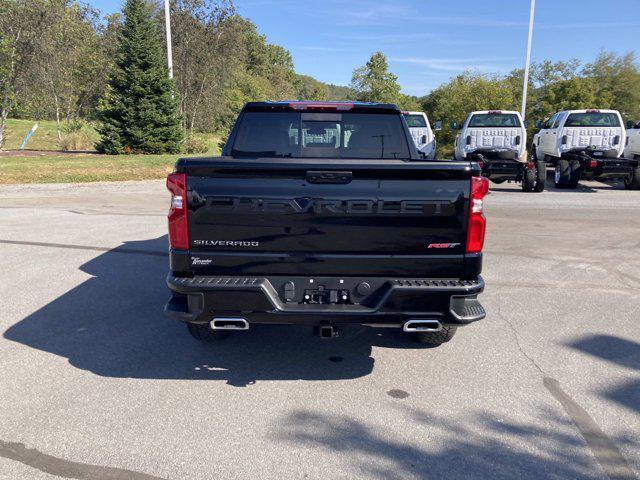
[[193, 145], [74, 126], [76, 141]]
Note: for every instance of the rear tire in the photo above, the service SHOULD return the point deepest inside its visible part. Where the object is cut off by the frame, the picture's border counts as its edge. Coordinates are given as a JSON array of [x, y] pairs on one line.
[[534, 180], [576, 173], [562, 174], [633, 182], [541, 176], [435, 339], [528, 178], [204, 333]]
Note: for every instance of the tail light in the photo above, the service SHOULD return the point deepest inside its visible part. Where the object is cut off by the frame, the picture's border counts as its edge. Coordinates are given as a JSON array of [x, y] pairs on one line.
[[564, 139], [518, 140], [477, 220], [616, 140], [321, 105], [178, 227], [468, 139]]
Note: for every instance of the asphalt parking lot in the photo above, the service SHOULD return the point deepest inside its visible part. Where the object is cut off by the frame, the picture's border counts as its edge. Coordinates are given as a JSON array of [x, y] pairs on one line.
[[97, 384]]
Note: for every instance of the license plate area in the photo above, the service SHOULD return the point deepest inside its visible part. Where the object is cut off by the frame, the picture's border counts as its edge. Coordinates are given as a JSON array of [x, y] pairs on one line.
[[324, 296]]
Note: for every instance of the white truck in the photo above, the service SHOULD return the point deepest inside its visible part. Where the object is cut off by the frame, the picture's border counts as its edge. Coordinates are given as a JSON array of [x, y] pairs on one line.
[[421, 133], [583, 144], [632, 152], [497, 140]]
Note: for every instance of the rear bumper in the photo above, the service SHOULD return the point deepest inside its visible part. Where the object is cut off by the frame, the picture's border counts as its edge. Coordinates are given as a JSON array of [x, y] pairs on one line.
[[499, 164], [280, 300], [506, 169], [601, 163]]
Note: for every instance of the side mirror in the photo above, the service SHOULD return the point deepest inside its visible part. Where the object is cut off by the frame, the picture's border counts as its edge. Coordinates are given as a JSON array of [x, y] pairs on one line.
[[454, 125], [423, 139], [629, 123], [438, 125], [538, 124]]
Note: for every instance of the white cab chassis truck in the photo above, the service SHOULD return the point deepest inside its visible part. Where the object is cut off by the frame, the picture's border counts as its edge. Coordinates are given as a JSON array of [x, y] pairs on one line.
[[632, 152], [584, 144], [421, 133], [497, 140]]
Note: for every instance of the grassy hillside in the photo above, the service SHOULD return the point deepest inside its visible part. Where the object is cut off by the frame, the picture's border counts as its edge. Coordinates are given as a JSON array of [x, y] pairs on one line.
[[44, 138], [62, 167], [83, 168]]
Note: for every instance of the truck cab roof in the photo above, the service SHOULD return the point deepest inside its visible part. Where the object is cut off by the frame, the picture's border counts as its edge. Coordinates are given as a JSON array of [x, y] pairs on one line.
[[486, 112], [591, 110], [301, 105]]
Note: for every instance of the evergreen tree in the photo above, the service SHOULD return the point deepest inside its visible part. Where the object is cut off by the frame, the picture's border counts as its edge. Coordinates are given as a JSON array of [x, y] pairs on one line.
[[139, 111]]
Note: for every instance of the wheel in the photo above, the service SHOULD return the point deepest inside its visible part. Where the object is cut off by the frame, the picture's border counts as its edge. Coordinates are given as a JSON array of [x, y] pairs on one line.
[[533, 180], [633, 182], [562, 174], [541, 175], [576, 173], [529, 178], [205, 333], [435, 339]]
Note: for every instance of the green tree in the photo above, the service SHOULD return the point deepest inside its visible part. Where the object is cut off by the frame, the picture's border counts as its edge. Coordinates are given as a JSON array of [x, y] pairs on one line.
[[68, 69], [409, 102], [139, 111], [465, 93], [308, 88], [617, 82], [373, 82], [20, 26], [574, 93]]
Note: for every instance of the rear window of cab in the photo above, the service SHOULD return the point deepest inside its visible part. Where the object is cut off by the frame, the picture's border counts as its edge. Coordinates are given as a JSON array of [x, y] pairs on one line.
[[415, 120], [320, 135], [482, 120], [592, 119]]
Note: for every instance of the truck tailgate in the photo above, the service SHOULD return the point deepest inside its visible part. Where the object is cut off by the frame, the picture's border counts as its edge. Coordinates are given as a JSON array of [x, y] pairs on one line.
[[601, 137], [493, 137], [326, 217]]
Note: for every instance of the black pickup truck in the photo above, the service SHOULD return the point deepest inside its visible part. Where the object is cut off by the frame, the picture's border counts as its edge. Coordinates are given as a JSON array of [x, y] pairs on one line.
[[323, 214]]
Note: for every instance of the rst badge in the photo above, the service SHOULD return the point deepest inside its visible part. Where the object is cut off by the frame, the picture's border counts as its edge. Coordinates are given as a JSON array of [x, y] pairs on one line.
[[443, 245]]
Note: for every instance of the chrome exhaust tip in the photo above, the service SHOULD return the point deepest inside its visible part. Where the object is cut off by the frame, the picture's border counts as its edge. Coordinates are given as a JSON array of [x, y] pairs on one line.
[[422, 326], [229, 324]]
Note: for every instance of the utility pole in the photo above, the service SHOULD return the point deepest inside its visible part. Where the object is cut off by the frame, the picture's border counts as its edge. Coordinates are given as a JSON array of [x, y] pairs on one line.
[[528, 60], [167, 21]]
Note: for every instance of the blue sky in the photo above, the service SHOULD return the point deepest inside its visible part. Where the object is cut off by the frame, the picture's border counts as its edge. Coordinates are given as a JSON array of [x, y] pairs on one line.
[[429, 41]]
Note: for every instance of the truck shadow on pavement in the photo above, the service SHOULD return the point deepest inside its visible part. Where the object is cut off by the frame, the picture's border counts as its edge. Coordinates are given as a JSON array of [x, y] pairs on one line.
[[622, 352], [113, 325]]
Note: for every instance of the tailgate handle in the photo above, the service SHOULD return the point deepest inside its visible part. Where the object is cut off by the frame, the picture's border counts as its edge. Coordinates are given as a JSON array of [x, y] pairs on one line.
[[315, 176]]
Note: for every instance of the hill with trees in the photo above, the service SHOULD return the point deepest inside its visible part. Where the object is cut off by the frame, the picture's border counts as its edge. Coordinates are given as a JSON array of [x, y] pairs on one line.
[[610, 81], [56, 57]]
